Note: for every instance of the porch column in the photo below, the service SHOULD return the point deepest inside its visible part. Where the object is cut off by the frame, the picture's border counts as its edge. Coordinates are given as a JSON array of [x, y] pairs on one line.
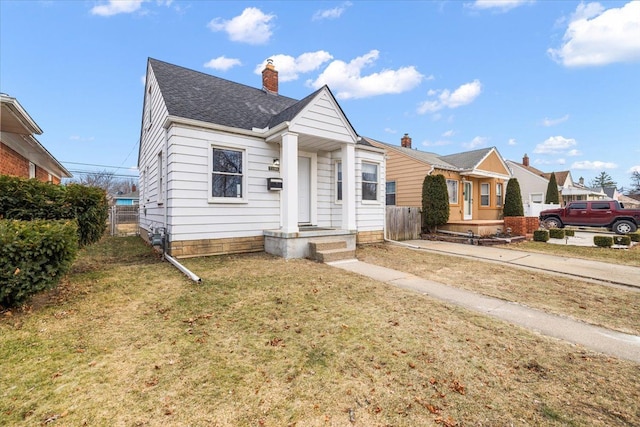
[[289, 173], [348, 187]]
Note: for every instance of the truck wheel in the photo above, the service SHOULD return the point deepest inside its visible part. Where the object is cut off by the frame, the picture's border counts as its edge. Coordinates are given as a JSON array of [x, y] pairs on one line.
[[624, 227], [553, 223]]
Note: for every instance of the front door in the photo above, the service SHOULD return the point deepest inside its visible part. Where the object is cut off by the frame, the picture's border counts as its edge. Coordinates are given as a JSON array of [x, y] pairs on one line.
[[304, 190], [468, 200]]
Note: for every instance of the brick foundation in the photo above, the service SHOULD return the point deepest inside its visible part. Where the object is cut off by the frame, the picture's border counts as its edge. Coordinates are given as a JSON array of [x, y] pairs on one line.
[[366, 237], [236, 245]]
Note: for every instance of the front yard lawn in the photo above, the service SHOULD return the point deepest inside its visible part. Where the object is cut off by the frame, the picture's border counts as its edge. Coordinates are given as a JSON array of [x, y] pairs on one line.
[[128, 340]]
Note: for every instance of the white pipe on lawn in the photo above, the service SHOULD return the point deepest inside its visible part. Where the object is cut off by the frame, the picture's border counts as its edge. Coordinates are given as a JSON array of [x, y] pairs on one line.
[[182, 268]]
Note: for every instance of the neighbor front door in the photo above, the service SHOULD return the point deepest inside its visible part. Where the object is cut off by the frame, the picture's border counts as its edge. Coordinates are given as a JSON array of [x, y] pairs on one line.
[[468, 200]]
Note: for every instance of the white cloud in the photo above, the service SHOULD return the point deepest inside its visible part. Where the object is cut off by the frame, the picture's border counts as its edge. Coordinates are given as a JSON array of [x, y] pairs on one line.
[[289, 67], [439, 143], [596, 165], [114, 7], [449, 133], [512, 141], [252, 26], [389, 130], [596, 36], [81, 138], [547, 122], [334, 13], [463, 95], [501, 5], [347, 81], [634, 169], [222, 63], [555, 145], [477, 142], [574, 153]]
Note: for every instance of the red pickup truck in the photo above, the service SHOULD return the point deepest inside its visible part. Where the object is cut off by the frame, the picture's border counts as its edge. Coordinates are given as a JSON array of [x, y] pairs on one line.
[[595, 213]]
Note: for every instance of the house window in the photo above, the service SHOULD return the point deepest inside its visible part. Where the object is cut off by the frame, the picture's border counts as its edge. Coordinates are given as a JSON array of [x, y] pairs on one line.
[[391, 193], [227, 173], [338, 180], [32, 170], [147, 108], [484, 194], [537, 198], [452, 189], [160, 177], [369, 181], [499, 194]]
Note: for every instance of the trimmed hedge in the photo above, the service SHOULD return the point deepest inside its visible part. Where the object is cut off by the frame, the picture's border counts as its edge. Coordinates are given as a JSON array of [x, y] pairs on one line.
[[622, 240], [569, 232], [540, 235], [635, 237], [556, 233], [34, 256], [603, 241], [30, 199]]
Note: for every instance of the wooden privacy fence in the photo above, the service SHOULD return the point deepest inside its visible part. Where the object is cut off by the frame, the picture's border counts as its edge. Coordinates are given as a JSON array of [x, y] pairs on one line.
[[123, 220], [403, 223]]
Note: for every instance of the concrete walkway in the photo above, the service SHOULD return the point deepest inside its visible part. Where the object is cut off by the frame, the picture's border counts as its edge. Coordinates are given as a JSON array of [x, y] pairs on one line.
[[582, 268], [595, 338]]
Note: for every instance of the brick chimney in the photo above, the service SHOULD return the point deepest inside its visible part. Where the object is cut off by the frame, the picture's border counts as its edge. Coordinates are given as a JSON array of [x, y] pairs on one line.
[[270, 77], [525, 160], [405, 141]]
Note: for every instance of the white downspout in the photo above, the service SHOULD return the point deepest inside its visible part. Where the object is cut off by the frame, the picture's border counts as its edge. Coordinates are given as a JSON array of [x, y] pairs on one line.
[[182, 268]]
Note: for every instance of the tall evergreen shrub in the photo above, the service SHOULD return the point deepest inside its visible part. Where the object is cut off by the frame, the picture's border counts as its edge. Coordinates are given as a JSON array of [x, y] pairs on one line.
[[513, 199], [552, 191], [435, 202]]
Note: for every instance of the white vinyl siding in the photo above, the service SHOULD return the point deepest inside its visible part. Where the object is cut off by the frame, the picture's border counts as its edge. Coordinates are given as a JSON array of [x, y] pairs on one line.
[[370, 215]]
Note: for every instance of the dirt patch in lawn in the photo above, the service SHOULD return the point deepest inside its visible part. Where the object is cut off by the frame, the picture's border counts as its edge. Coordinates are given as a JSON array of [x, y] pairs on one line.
[[269, 342]]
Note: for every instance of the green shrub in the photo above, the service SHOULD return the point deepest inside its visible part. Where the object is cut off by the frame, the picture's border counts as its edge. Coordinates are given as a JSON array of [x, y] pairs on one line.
[[29, 199], [603, 241], [34, 256], [513, 199], [552, 196], [569, 232], [622, 240], [540, 235], [556, 233], [635, 236], [435, 202]]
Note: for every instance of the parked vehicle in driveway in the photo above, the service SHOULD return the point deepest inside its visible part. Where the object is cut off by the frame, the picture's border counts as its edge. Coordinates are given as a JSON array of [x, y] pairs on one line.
[[597, 213]]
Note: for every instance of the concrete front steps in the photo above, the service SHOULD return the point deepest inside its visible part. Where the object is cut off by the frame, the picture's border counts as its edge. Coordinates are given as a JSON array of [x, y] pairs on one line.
[[330, 251]]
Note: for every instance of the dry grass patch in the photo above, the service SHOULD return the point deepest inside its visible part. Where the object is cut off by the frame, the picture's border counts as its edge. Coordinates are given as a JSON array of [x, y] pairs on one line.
[[268, 342], [608, 306], [629, 256]]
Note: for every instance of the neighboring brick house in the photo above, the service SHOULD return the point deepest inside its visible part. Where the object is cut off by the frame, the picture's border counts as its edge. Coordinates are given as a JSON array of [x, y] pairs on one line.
[[20, 152]]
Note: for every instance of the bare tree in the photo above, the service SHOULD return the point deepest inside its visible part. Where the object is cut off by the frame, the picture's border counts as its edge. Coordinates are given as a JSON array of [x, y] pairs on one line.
[[108, 181]]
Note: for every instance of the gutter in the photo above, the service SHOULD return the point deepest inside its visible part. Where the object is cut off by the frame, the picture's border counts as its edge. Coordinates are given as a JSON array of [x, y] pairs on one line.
[[182, 268]]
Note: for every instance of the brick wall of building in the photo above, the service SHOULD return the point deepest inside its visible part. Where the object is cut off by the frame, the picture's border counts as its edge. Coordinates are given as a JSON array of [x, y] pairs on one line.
[[12, 163]]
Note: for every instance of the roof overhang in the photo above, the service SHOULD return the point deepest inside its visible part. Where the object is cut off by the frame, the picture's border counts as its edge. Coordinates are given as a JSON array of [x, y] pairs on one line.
[[30, 148], [483, 174], [14, 118]]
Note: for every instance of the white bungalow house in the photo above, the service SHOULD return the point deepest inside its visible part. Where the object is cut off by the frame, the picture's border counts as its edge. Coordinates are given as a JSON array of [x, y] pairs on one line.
[[228, 168], [533, 186]]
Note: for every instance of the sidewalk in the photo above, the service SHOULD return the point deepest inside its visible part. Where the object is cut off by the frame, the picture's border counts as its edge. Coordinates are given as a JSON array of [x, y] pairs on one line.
[[598, 339], [585, 269]]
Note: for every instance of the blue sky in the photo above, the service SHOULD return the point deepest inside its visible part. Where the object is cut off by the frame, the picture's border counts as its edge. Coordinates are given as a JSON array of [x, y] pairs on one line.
[[558, 80]]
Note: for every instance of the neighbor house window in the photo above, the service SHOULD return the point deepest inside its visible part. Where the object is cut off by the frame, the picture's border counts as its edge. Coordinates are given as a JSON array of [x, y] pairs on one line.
[[499, 194], [537, 197], [32, 170], [484, 194], [338, 180], [391, 193], [369, 181], [227, 174], [452, 189], [159, 171]]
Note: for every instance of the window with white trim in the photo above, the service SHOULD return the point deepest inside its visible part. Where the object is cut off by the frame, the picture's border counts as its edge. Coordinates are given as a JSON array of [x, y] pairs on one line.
[[390, 193], [227, 173], [32, 170], [369, 181], [338, 180], [499, 198], [452, 189], [485, 194], [536, 197]]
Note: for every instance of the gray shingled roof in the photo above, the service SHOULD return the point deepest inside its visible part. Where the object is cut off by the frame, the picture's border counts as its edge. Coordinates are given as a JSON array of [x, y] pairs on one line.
[[194, 95], [468, 159]]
